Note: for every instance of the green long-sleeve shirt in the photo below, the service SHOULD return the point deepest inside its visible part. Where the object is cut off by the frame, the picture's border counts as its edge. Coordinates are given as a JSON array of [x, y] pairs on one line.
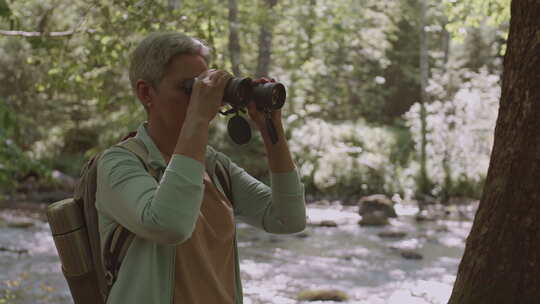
[[163, 215]]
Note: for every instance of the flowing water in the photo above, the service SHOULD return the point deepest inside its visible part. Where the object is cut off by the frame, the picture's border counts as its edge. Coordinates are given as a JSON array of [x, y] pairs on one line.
[[276, 268]]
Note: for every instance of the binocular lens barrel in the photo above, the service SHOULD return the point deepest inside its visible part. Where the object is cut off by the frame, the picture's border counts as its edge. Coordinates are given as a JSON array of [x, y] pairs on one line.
[[240, 91], [270, 95]]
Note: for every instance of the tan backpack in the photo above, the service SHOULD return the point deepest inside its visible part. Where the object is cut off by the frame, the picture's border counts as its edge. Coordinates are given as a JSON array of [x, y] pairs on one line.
[[74, 226]]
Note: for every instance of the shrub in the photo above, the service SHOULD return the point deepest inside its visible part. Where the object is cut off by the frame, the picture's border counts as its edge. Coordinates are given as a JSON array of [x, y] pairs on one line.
[[459, 134]]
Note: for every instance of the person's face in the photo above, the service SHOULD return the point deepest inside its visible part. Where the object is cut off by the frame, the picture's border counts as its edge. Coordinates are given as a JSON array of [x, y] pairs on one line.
[[168, 100]]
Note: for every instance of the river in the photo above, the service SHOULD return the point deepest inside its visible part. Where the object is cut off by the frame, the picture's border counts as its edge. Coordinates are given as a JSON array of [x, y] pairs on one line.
[[368, 268]]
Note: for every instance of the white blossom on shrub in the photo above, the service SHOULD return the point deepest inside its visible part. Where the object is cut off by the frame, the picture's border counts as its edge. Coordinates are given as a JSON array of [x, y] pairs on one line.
[[346, 158], [459, 131]]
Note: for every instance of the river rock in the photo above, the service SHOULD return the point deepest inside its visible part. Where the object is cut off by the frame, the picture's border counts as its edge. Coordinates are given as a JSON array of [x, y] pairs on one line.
[[328, 223], [410, 254], [442, 228], [51, 196], [17, 251], [302, 235], [275, 240], [65, 181], [376, 203], [322, 203], [20, 224], [392, 234], [376, 218], [323, 295], [425, 216]]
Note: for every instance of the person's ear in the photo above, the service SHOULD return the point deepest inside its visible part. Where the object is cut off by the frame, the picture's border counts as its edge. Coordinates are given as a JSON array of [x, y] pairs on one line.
[[144, 93]]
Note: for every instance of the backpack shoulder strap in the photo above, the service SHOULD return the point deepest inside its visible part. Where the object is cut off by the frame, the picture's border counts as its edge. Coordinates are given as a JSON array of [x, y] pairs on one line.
[[120, 239], [137, 147]]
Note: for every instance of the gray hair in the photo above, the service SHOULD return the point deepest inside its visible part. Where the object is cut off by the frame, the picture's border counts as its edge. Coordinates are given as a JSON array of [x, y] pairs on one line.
[[150, 59]]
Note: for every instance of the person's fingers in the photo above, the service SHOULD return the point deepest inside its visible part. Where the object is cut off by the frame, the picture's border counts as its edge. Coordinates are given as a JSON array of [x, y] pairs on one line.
[[220, 82], [220, 73], [206, 73], [204, 77], [264, 80], [213, 75], [197, 83], [223, 79], [251, 107]]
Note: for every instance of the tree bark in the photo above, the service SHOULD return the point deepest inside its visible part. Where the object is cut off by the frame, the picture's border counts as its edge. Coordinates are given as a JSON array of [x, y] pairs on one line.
[[234, 41], [501, 263], [265, 42]]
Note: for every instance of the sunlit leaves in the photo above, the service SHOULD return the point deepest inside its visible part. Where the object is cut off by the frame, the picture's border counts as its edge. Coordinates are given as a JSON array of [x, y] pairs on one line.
[[463, 14], [340, 60]]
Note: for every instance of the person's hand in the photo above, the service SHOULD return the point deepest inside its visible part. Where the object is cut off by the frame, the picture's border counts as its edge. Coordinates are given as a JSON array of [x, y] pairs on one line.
[[257, 116], [207, 95]]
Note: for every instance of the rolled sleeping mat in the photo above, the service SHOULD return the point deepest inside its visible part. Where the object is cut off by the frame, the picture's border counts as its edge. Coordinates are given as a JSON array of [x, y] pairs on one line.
[[67, 224]]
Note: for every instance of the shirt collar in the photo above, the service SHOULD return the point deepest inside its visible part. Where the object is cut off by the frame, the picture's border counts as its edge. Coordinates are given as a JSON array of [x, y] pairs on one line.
[[155, 158]]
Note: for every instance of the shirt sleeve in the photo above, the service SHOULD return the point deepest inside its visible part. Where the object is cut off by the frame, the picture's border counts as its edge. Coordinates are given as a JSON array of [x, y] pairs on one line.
[[276, 209], [164, 212]]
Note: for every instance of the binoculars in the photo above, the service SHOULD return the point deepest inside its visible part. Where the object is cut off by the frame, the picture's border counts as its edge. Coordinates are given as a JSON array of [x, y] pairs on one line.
[[241, 91], [238, 93]]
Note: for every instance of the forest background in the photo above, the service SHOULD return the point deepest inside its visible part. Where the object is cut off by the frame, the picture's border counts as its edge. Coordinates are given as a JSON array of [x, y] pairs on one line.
[[395, 97]]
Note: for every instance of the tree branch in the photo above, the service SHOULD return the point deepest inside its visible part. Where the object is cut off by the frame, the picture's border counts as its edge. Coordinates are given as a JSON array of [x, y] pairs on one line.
[[41, 34]]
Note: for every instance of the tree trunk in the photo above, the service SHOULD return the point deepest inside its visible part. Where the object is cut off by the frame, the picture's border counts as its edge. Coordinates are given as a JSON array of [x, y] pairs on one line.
[[446, 161], [310, 30], [423, 184], [265, 42], [234, 41], [501, 263], [174, 4]]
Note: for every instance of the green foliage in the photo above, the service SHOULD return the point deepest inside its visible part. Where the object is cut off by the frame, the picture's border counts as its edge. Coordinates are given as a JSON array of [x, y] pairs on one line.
[[250, 156], [472, 14], [4, 9], [14, 162]]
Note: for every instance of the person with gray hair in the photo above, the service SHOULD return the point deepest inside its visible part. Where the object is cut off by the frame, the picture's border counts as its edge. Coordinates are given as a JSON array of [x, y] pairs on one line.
[[175, 201]]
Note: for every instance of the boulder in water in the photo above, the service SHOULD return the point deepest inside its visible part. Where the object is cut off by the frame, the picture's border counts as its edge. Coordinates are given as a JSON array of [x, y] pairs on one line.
[[376, 203], [328, 223], [376, 218]]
